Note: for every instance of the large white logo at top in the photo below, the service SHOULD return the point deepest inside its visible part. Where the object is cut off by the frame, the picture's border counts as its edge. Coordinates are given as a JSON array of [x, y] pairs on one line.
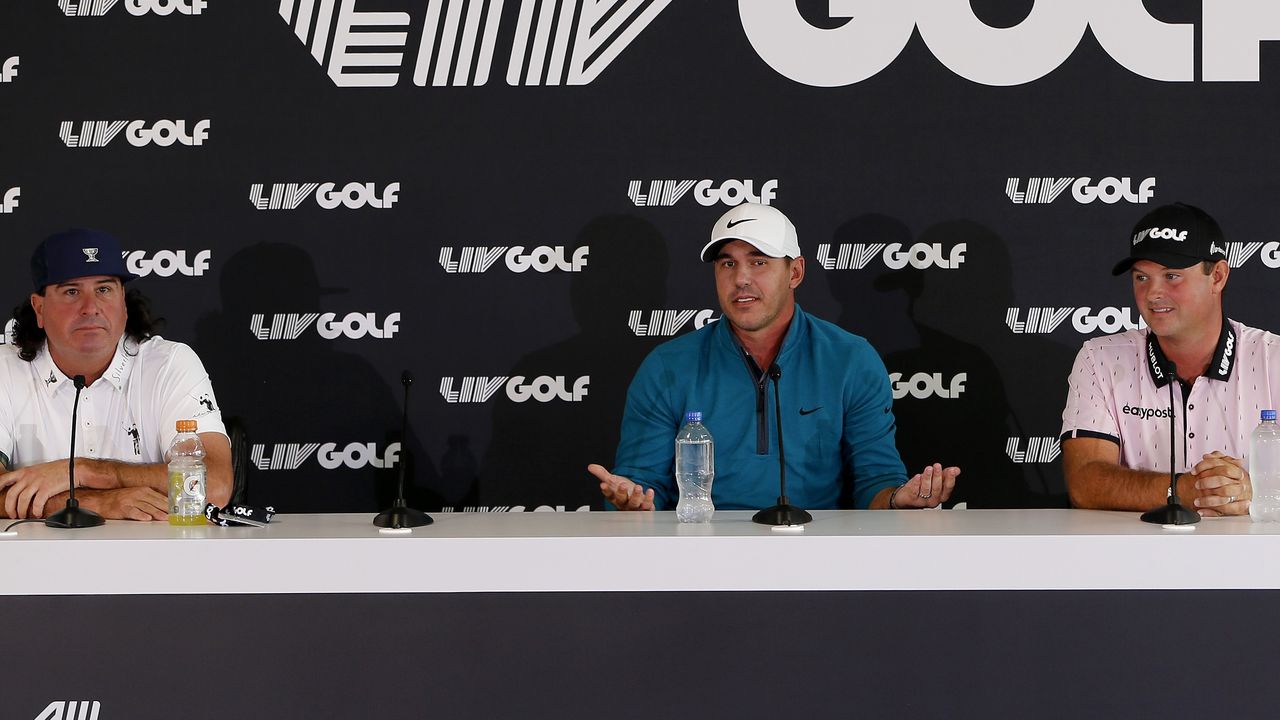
[[569, 42], [98, 8], [9, 200], [9, 69], [139, 133], [353, 326], [1110, 190], [665, 193], [1084, 320], [877, 32], [352, 195]]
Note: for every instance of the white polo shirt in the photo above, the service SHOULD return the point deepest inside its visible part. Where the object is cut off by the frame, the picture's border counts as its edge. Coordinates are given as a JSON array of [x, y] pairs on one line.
[[1118, 392], [128, 414]]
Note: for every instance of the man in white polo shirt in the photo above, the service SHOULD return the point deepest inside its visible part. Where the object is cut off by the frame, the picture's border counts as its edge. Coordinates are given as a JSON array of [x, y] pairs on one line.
[[1115, 427], [80, 321]]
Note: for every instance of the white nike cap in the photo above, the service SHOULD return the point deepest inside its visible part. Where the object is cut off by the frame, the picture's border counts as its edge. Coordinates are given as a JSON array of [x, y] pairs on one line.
[[762, 226]]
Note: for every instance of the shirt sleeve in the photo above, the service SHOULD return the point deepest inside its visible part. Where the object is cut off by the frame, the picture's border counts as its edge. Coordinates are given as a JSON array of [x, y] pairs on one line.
[[646, 452], [184, 392], [1088, 412], [8, 438], [869, 452]]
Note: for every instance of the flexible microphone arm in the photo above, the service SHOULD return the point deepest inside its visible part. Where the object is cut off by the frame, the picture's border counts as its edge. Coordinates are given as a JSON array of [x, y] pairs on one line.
[[73, 516], [782, 513], [400, 515], [1172, 512], [406, 379]]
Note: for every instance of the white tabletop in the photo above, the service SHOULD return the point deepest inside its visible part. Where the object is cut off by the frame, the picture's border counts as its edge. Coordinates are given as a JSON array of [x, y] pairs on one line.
[[573, 552]]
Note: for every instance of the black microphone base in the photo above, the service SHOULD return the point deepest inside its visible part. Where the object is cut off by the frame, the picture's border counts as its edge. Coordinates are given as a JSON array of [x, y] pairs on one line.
[[782, 514], [74, 516], [1171, 514], [400, 515]]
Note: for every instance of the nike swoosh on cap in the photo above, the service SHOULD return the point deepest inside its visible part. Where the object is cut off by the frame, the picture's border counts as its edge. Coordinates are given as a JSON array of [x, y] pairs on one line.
[[737, 222]]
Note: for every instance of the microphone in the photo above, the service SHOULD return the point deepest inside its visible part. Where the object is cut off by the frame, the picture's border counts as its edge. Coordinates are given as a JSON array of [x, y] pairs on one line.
[[783, 513], [74, 516], [400, 515], [1172, 512]]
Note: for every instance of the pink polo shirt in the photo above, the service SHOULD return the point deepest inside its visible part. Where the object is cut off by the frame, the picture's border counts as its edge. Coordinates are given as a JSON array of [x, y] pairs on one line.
[[1118, 392]]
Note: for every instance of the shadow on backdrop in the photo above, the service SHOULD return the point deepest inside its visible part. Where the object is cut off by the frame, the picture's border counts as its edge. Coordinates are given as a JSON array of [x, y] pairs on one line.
[[304, 391], [539, 452], [956, 318]]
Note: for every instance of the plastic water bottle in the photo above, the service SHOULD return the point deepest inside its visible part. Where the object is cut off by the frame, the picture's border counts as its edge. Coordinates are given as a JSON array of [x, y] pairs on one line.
[[695, 469], [1264, 469], [186, 476]]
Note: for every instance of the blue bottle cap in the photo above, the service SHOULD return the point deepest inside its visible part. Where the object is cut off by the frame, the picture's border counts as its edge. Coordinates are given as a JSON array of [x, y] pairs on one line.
[[696, 416], [1268, 415]]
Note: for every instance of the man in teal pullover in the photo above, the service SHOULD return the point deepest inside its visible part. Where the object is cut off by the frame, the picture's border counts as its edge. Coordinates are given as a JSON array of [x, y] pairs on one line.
[[836, 399]]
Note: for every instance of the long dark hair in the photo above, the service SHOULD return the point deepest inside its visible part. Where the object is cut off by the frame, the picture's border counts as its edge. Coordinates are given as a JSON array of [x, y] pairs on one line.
[[30, 337]]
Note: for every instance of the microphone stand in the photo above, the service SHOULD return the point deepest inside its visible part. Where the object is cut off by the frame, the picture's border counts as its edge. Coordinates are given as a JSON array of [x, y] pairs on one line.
[[400, 515], [783, 513], [74, 516], [1172, 512]]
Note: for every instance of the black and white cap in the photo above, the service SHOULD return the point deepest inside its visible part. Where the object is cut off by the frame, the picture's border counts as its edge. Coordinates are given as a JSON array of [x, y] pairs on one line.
[[762, 226], [1176, 236]]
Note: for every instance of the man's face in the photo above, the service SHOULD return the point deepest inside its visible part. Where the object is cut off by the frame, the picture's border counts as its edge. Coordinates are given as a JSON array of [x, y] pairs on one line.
[[755, 290], [1178, 303], [82, 316]]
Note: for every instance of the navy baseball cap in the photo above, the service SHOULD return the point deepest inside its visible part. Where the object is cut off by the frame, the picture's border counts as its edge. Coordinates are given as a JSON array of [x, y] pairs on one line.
[[77, 253], [1176, 236]]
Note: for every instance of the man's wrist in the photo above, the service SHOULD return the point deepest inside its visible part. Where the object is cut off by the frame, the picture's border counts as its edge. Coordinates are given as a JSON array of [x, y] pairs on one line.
[[893, 495]]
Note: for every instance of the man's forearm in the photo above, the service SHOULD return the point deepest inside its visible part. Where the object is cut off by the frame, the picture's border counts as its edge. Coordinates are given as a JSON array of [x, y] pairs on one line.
[[1100, 485], [108, 474]]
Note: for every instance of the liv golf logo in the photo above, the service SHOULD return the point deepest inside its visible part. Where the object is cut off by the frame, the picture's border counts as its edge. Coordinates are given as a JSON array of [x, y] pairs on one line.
[[1042, 191], [1239, 253], [139, 133], [570, 42], [353, 326], [665, 193], [9, 200], [543, 259], [354, 456], [353, 195], [167, 263], [665, 323], [8, 69], [1033, 449], [921, 256], [519, 388], [98, 8], [1044, 320]]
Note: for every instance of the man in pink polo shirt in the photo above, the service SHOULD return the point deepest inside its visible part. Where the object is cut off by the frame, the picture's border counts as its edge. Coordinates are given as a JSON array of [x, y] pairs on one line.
[[1115, 427]]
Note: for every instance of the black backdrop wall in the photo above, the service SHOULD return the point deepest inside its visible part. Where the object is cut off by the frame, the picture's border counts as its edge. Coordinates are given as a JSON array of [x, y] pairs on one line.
[[506, 197]]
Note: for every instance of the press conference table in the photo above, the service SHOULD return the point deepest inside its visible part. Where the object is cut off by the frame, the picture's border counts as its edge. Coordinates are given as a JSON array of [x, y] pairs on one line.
[[936, 613]]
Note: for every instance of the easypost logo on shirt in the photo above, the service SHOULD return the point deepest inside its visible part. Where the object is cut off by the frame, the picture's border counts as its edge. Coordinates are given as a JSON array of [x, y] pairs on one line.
[[9, 69], [329, 456], [666, 323], [928, 385], [9, 200], [1110, 190], [517, 259], [865, 38], [1033, 450], [328, 195], [1084, 320], [167, 263], [518, 388], [353, 326], [98, 8], [139, 133], [666, 193], [459, 49], [895, 256]]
